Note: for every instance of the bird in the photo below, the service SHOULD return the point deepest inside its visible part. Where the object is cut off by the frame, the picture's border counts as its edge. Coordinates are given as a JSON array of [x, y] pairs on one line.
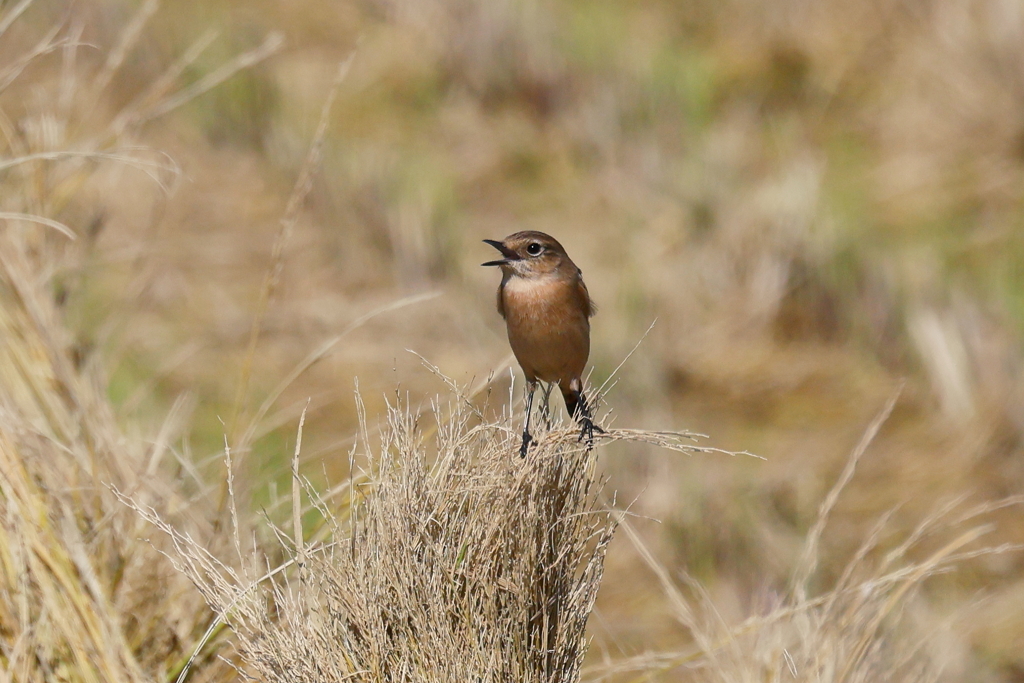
[[547, 310]]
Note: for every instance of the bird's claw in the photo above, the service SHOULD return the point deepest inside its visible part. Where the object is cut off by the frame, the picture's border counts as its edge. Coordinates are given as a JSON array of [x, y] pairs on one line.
[[587, 429]]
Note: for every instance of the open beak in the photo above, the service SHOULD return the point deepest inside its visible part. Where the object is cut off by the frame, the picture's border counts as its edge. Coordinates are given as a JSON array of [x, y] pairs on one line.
[[505, 251]]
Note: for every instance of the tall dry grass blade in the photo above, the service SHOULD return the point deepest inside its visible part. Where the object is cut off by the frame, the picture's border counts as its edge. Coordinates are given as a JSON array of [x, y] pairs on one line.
[[68, 69], [467, 397], [130, 35], [855, 631], [681, 442], [137, 111], [176, 418], [320, 352], [232, 500], [45, 46], [615, 372], [300, 191], [134, 162], [869, 633], [270, 45], [870, 543], [808, 561], [680, 607], [12, 15], [300, 545], [41, 220]]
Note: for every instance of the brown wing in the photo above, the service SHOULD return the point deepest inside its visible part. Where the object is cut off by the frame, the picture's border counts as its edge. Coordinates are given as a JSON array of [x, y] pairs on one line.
[[586, 303]]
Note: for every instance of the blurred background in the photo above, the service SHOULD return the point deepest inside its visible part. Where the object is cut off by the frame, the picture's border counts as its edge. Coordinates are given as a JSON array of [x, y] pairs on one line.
[[816, 202]]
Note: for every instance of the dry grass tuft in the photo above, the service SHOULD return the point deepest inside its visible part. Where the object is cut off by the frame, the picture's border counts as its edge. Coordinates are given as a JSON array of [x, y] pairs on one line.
[[455, 562], [83, 596], [83, 599], [869, 625]]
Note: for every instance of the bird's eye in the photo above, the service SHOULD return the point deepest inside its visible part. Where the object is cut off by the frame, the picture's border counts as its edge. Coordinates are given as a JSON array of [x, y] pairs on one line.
[[534, 249]]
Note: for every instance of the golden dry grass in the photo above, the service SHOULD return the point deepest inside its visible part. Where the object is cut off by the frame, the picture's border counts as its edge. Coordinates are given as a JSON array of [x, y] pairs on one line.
[[85, 596], [454, 562]]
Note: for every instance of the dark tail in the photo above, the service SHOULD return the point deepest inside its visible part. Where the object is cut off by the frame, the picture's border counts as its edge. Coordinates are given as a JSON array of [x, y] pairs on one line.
[[576, 404]]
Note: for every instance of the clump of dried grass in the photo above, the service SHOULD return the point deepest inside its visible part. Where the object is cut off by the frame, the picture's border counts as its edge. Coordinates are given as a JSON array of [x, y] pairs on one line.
[[869, 625], [82, 596], [455, 561]]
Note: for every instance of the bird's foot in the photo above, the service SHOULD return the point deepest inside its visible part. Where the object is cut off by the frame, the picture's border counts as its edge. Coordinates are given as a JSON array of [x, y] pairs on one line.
[[587, 429], [527, 440]]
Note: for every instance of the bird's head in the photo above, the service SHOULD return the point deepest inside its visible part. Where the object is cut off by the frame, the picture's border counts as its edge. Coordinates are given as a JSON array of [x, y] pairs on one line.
[[531, 254]]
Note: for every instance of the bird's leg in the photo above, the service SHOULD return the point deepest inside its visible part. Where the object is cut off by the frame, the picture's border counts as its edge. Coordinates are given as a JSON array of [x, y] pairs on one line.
[[545, 406], [527, 439]]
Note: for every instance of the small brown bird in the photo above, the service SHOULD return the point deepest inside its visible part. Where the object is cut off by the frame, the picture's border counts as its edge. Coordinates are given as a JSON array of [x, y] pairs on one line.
[[547, 310]]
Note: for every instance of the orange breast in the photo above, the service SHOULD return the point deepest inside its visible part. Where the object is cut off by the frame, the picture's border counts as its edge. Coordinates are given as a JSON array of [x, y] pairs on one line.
[[548, 328]]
